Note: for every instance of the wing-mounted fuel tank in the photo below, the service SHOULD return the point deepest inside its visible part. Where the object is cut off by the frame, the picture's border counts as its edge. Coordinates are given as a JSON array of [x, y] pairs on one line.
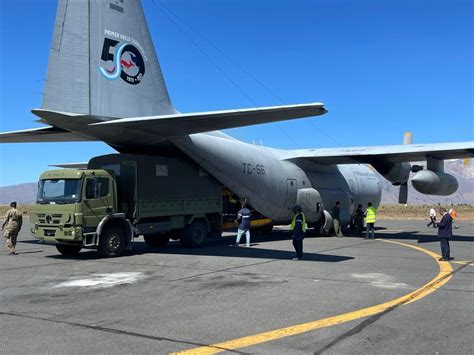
[[434, 183], [433, 180]]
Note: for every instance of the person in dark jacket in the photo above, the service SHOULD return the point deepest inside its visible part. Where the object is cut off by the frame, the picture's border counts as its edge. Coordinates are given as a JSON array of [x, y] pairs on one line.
[[359, 220], [243, 218], [298, 229], [445, 232]]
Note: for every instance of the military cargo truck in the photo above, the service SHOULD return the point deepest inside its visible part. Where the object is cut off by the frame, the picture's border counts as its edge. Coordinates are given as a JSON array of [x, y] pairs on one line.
[[121, 196]]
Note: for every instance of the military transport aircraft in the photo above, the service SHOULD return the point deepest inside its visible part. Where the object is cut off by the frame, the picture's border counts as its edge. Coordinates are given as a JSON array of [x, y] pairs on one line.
[[104, 83]]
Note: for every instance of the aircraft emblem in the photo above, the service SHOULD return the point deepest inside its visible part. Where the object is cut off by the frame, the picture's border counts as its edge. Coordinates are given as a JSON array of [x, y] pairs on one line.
[[125, 62]]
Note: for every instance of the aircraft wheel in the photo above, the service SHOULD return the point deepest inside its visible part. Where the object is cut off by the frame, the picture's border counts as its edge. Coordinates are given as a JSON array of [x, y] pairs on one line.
[[68, 250], [111, 242]]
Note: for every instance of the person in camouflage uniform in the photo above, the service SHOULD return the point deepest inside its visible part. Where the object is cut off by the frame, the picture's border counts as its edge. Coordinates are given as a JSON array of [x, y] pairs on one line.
[[11, 226]]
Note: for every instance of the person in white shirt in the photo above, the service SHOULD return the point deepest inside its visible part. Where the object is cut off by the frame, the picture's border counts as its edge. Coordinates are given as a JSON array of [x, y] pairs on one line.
[[432, 218]]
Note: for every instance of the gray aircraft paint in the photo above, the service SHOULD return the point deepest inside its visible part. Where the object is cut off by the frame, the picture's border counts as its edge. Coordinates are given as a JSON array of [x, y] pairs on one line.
[[271, 184], [75, 82], [90, 94]]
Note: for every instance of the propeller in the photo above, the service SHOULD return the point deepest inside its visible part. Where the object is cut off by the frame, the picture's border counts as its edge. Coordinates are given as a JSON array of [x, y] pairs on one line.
[[403, 193]]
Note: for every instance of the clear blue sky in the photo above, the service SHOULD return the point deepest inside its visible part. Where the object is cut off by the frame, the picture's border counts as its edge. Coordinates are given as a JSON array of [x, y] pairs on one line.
[[381, 67]]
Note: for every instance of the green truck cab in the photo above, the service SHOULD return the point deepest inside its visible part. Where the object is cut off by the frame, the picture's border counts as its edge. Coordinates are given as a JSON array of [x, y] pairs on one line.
[[122, 196]]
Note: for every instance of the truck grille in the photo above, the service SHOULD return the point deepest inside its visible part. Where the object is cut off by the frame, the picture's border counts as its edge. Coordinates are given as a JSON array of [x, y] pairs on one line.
[[46, 218]]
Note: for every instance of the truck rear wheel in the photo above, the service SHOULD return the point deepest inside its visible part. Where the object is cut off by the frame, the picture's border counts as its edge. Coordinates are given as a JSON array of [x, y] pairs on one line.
[[194, 234], [68, 250], [111, 242], [156, 240]]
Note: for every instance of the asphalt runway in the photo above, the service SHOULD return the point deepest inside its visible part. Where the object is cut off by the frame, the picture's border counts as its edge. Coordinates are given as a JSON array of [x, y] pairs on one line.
[[244, 300]]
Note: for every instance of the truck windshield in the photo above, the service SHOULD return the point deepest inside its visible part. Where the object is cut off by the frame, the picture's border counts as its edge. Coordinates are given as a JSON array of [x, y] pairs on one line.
[[59, 191]]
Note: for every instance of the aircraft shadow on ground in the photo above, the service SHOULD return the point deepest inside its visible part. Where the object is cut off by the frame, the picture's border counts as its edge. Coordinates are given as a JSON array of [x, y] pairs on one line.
[[220, 247], [254, 252]]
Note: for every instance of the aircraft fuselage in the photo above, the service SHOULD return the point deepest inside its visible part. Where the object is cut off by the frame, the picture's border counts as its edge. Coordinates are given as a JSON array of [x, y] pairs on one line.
[[271, 184]]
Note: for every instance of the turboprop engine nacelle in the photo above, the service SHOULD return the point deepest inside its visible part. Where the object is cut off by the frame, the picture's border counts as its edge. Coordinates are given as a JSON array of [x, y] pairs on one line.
[[434, 183], [397, 173]]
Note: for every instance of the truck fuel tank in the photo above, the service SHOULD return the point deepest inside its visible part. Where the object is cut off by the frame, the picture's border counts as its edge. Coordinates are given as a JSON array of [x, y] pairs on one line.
[[434, 183]]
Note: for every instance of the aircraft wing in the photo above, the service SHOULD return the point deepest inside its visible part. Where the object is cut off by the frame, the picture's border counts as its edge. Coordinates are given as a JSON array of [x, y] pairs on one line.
[[389, 153], [181, 124], [148, 130], [42, 134]]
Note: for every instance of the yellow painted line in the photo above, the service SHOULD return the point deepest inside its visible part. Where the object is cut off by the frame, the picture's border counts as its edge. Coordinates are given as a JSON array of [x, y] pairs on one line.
[[444, 275]]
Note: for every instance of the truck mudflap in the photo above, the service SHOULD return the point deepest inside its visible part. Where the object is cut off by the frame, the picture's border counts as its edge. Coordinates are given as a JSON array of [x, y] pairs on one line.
[[91, 239]]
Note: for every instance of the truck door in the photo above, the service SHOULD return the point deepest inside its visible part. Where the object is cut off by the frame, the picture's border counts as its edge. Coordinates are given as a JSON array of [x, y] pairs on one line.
[[98, 200]]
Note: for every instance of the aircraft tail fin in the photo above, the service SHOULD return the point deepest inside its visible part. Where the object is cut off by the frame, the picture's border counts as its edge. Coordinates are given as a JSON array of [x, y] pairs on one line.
[[103, 63]]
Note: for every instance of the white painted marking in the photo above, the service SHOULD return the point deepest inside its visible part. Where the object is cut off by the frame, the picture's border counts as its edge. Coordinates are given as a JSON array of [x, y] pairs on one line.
[[381, 280], [104, 280]]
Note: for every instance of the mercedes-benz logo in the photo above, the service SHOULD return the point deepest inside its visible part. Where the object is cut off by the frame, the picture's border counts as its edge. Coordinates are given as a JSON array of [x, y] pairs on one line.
[[49, 219]]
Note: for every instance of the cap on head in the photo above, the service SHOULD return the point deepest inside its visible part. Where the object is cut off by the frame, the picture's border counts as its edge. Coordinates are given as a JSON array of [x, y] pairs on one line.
[[13, 204], [369, 204]]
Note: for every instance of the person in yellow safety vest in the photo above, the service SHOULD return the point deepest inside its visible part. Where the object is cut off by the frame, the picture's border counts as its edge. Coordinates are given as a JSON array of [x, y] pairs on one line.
[[298, 229], [370, 214]]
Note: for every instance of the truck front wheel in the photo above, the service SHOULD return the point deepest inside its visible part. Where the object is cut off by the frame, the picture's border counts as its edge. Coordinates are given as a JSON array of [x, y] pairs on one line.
[[68, 250], [111, 242], [194, 234]]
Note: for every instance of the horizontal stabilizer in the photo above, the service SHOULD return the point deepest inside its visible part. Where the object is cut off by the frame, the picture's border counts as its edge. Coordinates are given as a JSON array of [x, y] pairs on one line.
[[42, 134], [189, 123], [389, 153]]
